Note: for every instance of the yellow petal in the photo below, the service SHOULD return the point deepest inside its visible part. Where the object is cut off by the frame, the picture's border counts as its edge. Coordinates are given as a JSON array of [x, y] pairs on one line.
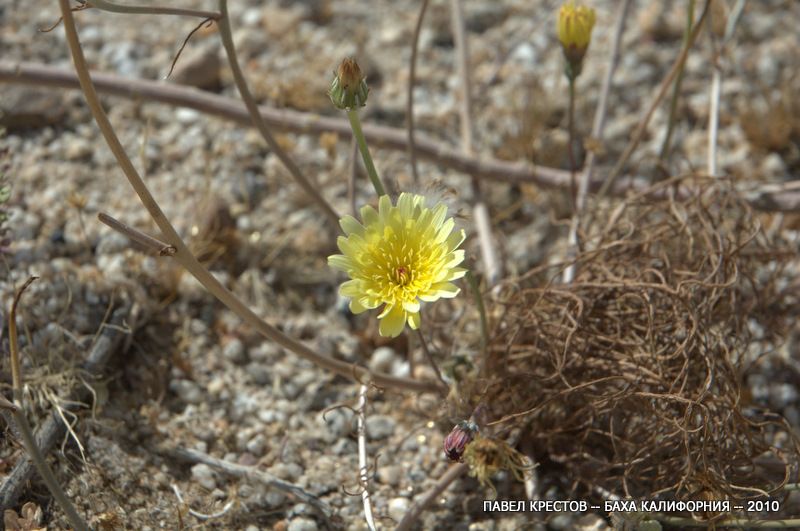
[[368, 215], [350, 225], [439, 213], [392, 323], [413, 320], [351, 289], [369, 302], [411, 306], [454, 273], [341, 262], [455, 239], [440, 290], [446, 290], [444, 231], [405, 203], [454, 258], [384, 208], [352, 246], [356, 307]]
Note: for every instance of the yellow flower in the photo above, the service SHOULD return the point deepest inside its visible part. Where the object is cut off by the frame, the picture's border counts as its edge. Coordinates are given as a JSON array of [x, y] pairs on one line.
[[575, 25], [400, 256]]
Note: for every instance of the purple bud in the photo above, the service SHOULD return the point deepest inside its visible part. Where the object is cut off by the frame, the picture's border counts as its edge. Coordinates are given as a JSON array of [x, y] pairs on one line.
[[458, 439]]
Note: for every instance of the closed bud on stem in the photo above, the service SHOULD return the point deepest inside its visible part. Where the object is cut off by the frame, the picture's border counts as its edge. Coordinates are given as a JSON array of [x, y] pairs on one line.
[[574, 27], [349, 89], [457, 440]]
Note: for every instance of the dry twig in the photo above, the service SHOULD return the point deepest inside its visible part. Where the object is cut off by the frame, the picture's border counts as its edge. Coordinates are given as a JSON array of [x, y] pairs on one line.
[[641, 128], [412, 69], [252, 108], [259, 476], [480, 209], [363, 467], [767, 198]]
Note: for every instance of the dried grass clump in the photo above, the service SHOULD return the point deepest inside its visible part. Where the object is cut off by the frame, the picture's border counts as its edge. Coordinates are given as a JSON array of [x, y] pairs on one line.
[[630, 378]]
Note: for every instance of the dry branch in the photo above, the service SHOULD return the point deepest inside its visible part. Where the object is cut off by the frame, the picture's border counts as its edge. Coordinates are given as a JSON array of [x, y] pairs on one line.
[[259, 476], [770, 198]]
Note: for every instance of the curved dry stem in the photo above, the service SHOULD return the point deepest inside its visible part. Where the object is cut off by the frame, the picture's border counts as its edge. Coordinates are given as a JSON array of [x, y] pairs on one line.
[[185, 257], [226, 35], [111, 7], [412, 73], [662, 90]]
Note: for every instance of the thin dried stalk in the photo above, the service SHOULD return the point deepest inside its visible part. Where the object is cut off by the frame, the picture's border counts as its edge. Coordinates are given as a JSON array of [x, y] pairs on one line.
[[111, 7], [254, 474], [480, 210], [226, 35], [412, 71], [716, 88], [662, 90], [363, 467]]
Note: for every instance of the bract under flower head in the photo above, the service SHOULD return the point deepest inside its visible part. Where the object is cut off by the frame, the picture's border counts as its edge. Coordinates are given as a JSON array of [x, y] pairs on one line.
[[401, 255], [349, 88], [574, 27]]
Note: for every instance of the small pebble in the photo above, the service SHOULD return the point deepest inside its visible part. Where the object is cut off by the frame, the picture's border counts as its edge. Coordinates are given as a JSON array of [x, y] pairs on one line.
[[187, 390], [382, 359], [234, 350], [302, 524], [204, 475], [380, 427], [398, 507]]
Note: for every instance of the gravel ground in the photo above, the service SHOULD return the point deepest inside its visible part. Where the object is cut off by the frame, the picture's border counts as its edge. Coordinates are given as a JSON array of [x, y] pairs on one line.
[[192, 375]]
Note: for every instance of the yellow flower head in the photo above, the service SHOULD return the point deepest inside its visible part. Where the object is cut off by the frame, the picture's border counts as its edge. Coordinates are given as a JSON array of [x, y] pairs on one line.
[[401, 255], [575, 25]]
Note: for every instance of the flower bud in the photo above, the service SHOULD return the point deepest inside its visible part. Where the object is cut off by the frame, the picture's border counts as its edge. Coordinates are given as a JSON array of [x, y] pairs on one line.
[[574, 27], [457, 440], [348, 89]]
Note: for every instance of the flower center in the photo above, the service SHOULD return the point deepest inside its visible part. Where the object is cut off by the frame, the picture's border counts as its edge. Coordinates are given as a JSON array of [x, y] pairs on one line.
[[402, 275]]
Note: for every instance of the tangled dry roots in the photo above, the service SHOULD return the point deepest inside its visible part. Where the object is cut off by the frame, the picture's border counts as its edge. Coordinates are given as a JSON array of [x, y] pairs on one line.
[[630, 378]]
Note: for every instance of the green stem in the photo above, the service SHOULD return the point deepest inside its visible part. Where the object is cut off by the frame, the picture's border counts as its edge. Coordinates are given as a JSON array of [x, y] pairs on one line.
[[476, 292], [355, 123], [571, 125], [673, 103]]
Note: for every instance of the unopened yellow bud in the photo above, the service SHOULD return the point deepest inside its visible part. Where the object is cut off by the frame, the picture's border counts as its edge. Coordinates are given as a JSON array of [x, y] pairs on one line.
[[348, 89], [575, 25]]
